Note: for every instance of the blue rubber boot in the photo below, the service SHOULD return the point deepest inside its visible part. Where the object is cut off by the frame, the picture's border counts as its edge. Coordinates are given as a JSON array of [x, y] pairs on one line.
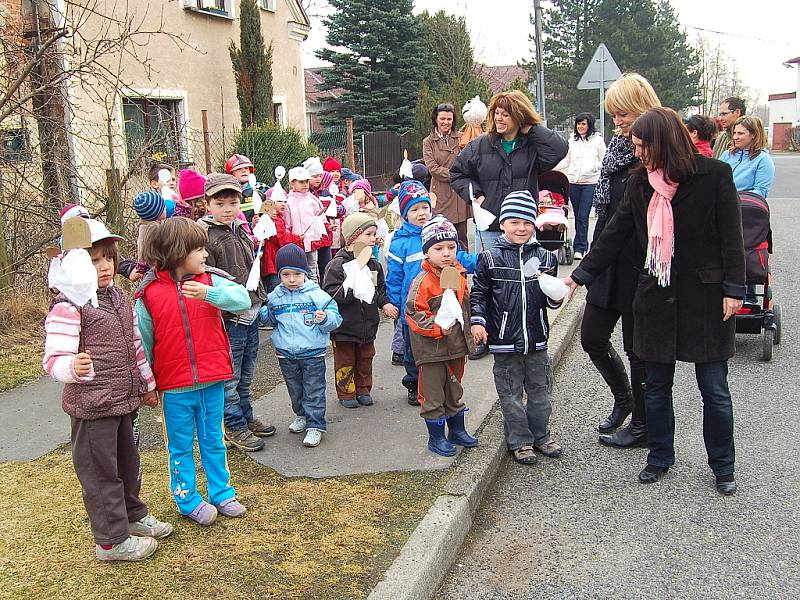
[[457, 433], [436, 441]]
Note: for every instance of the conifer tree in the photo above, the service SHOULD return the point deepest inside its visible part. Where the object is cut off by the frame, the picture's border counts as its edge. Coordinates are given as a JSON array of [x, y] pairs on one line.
[[252, 66]]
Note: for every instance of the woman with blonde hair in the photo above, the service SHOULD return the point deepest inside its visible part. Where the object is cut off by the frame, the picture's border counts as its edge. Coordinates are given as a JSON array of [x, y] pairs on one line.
[[508, 158], [747, 154], [610, 296]]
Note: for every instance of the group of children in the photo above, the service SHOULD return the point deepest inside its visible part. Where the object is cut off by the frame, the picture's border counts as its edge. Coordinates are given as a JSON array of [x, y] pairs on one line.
[[193, 330]]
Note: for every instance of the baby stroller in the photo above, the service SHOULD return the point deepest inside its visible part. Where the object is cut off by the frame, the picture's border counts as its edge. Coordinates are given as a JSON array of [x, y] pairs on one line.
[[552, 227], [758, 313]]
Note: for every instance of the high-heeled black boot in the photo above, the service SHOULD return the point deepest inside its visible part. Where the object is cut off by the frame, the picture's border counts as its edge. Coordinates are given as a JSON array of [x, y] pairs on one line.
[[634, 435], [610, 366]]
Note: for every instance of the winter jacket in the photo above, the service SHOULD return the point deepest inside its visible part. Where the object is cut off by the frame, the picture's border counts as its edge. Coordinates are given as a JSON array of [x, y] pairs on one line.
[[439, 153], [721, 143], [404, 260], [510, 305], [120, 374], [291, 312], [495, 174], [186, 338], [359, 320], [428, 343], [304, 209], [231, 249], [583, 160], [756, 175], [684, 320], [704, 148], [283, 237]]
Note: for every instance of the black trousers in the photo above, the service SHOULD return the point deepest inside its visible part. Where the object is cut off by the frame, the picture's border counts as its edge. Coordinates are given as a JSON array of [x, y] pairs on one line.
[[597, 327]]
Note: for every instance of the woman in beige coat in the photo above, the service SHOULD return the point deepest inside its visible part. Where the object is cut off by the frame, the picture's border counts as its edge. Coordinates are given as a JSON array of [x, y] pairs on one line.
[[439, 151]]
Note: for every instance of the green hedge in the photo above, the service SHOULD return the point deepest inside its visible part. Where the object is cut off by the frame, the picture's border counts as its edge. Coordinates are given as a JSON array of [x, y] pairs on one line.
[[269, 146]]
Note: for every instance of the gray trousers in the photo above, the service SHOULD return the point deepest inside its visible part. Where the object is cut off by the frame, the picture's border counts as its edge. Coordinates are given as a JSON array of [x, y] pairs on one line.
[[526, 422]]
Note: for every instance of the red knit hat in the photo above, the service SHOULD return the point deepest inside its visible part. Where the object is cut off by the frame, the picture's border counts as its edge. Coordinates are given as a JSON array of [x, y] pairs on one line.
[[237, 161], [331, 164], [72, 210], [191, 184]]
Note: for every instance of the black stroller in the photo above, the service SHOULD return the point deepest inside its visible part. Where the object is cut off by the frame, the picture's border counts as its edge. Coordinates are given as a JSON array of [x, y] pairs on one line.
[[758, 313], [556, 239]]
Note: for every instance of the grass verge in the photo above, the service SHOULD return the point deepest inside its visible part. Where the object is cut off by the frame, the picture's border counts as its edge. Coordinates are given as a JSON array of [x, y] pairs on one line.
[[22, 313], [325, 539]]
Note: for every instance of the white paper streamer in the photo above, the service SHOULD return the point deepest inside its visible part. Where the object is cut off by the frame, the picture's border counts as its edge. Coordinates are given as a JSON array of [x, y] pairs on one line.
[[331, 210], [406, 169], [449, 312], [251, 179], [74, 276], [531, 267], [383, 229], [553, 287], [254, 277], [359, 280], [265, 228], [483, 218]]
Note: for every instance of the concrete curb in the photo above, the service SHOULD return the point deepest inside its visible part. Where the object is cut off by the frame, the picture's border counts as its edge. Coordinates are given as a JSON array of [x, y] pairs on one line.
[[433, 547]]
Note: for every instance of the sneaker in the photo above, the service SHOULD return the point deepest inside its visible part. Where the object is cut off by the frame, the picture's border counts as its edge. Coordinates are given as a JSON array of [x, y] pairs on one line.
[[397, 359], [313, 438], [349, 403], [132, 549], [149, 526], [243, 439], [413, 398], [298, 425], [365, 400], [231, 508], [577, 255], [261, 429], [205, 514]]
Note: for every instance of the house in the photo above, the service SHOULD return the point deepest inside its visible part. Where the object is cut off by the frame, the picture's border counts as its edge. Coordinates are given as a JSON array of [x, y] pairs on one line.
[[500, 77], [317, 100], [784, 112]]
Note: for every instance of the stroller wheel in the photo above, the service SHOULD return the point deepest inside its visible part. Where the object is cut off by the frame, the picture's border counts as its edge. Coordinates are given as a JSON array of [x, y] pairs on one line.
[[769, 340], [776, 318], [569, 253]]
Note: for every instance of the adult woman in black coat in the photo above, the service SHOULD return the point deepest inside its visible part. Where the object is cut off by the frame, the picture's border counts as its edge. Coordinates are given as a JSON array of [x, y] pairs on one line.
[[692, 285], [507, 159], [610, 296]]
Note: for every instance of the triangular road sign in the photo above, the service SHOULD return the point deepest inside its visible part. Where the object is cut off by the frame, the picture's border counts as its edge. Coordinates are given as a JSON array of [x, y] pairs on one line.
[[602, 66]]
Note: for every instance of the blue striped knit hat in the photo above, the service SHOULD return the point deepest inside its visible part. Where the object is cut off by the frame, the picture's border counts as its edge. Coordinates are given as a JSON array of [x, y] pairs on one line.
[[149, 205], [519, 205]]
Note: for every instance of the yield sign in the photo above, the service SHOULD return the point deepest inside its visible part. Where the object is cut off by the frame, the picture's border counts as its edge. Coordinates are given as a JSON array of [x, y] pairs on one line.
[[601, 72]]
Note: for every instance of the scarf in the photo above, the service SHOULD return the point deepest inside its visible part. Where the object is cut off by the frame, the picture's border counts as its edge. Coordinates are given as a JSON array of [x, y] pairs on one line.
[[660, 230], [619, 156]]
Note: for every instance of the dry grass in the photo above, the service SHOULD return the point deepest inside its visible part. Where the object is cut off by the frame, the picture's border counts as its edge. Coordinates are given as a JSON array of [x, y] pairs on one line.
[[22, 313], [301, 539]]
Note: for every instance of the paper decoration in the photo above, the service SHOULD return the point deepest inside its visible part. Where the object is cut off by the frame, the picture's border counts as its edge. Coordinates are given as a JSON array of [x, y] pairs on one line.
[[449, 311], [265, 228], [164, 176], [531, 267], [251, 180], [333, 189], [331, 210], [358, 276], [553, 287], [277, 191], [483, 218], [383, 229], [268, 208], [406, 169], [450, 278], [74, 276], [351, 204], [75, 233]]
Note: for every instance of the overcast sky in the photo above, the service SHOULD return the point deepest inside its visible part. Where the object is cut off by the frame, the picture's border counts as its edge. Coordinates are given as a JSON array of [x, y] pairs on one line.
[[760, 35]]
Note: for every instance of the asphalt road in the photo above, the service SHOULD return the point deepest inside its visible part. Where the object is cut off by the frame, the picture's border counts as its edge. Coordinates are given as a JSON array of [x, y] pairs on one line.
[[583, 527]]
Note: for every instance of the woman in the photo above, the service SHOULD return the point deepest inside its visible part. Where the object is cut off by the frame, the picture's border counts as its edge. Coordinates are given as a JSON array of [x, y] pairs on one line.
[[702, 131], [753, 168], [439, 150], [508, 158], [610, 297], [582, 167], [683, 208]]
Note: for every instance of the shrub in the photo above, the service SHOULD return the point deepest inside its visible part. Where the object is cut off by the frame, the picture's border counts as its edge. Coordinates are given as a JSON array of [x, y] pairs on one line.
[[271, 145]]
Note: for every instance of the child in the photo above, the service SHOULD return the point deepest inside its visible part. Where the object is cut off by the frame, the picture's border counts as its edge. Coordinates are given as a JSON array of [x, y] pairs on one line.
[[179, 306], [152, 210], [369, 204], [295, 309], [323, 246], [97, 353], [241, 168], [354, 340], [304, 214], [283, 236], [192, 188], [230, 248], [440, 353], [334, 167], [511, 317], [173, 203], [403, 264]]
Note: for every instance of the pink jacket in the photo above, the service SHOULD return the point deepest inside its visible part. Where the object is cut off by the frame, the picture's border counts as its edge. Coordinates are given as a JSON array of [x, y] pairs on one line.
[[304, 220]]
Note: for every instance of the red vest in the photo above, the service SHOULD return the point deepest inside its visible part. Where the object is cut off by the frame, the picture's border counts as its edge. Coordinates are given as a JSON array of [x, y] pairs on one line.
[[190, 342]]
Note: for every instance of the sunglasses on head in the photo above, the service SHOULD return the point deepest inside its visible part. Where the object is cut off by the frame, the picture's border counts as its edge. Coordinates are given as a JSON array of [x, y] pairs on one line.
[[446, 107]]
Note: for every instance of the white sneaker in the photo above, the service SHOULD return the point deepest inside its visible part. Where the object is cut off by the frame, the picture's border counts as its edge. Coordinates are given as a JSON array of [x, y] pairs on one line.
[[298, 425], [578, 255], [313, 438], [132, 549], [149, 526]]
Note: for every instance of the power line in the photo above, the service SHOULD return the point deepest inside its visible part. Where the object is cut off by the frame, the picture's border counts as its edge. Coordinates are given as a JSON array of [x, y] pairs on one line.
[[744, 37]]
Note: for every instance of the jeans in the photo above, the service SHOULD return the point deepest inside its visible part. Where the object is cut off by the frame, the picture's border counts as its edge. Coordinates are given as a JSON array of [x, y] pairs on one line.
[[580, 195], [486, 240], [398, 345], [244, 348], [411, 378], [525, 423], [305, 380], [184, 413], [712, 379]]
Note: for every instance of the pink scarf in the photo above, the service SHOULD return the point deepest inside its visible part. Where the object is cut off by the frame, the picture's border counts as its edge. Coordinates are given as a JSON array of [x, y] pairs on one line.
[[660, 229]]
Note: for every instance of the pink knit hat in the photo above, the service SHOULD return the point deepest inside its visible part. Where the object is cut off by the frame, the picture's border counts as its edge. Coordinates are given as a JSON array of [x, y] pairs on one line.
[[361, 184], [191, 184], [72, 210]]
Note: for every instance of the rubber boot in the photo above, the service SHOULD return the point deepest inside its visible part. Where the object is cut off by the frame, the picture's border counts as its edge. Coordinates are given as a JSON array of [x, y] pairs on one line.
[[610, 366], [635, 434], [437, 443], [457, 433]]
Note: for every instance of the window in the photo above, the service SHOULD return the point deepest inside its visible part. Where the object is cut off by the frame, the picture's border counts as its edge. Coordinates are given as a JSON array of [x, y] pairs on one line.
[[270, 5], [154, 126], [15, 146], [277, 114], [222, 8]]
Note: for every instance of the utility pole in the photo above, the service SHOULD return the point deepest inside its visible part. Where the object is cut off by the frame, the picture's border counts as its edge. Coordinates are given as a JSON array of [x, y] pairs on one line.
[[540, 103]]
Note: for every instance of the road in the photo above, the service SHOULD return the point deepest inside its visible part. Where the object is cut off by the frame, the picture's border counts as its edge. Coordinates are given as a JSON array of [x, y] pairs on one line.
[[583, 527]]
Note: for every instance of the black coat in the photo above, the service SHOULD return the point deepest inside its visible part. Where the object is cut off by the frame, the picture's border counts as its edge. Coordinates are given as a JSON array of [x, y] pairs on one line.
[[684, 320], [614, 288], [495, 174]]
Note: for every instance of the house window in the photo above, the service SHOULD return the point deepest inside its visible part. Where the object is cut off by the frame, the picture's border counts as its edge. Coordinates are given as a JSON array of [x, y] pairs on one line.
[[270, 5], [154, 127], [278, 115], [14, 145], [223, 8]]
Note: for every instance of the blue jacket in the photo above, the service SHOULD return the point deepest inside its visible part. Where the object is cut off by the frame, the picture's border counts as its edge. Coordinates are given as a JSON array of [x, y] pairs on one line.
[[404, 260], [754, 175], [291, 312]]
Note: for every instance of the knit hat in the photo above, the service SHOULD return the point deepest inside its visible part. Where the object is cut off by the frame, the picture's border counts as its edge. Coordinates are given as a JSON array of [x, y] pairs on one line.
[[149, 205], [356, 224], [327, 180], [349, 175], [237, 161], [191, 184], [361, 184], [72, 210], [518, 205], [218, 182], [299, 174], [419, 171], [291, 256], [438, 229], [411, 192], [313, 166], [331, 164]]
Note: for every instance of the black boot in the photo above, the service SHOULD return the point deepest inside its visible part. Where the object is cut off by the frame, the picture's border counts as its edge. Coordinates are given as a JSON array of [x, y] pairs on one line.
[[635, 434], [610, 366]]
